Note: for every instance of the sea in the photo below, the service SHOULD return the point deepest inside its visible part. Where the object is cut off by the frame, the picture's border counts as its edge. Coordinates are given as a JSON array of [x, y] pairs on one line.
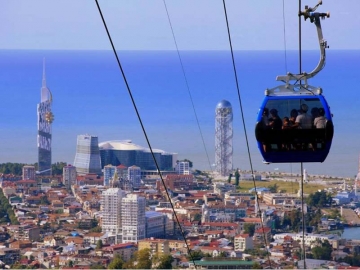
[[176, 103]]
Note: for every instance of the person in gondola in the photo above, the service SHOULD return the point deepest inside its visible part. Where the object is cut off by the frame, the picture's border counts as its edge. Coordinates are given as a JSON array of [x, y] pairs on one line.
[[275, 123], [320, 121], [303, 120]]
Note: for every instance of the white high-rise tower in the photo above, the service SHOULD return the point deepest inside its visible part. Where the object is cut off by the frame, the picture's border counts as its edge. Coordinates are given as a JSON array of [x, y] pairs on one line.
[[111, 210], [223, 138]]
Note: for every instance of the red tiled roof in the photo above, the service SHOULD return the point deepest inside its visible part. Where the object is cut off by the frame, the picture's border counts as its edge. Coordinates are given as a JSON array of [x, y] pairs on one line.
[[261, 230], [220, 224], [243, 235]]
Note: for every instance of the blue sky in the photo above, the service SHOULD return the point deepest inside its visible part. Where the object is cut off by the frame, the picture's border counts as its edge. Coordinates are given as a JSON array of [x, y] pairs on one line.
[[198, 24]]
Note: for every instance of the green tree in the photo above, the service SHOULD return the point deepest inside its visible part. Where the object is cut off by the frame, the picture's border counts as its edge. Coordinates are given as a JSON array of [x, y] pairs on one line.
[[195, 255], [229, 178], [99, 244], [237, 177], [256, 265], [143, 259], [57, 168], [116, 263], [249, 228], [96, 229], [197, 217], [98, 266], [322, 252], [163, 261], [273, 188]]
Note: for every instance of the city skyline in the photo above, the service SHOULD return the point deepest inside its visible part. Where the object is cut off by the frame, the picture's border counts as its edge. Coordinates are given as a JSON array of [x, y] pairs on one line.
[[205, 30]]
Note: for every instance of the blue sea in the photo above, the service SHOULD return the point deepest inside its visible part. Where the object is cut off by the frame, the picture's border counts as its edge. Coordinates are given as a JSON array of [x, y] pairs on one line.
[[90, 97]]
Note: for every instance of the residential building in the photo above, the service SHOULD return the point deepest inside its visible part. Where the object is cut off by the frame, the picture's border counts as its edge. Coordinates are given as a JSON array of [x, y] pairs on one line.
[[178, 181], [109, 172], [134, 176], [125, 251], [155, 224], [28, 172], [157, 246], [242, 242], [111, 200], [183, 167], [133, 218], [87, 158], [69, 176]]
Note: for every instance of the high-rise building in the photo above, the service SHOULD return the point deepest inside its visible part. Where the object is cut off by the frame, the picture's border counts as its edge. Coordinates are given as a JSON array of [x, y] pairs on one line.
[[69, 176], [87, 158], [45, 119], [223, 138], [133, 218], [28, 172], [111, 200], [183, 167], [134, 176], [109, 172]]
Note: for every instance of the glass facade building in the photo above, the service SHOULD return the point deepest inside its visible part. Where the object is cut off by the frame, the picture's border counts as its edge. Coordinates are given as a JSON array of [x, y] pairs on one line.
[[45, 119], [129, 154], [87, 158]]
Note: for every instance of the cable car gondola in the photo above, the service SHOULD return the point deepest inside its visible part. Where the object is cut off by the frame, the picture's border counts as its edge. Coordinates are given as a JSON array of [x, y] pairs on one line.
[[294, 122]]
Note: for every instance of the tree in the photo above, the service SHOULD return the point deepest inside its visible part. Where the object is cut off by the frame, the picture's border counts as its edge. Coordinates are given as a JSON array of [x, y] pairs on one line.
[[237, 177], [116, 263], [195, 255], [229, 179], [322, 252], [249, 228], [96, 229], [99, 244], [197, 217], [163, 261], [143, 259], [273, 188], [187, 160], [97, 266], [256, 265]]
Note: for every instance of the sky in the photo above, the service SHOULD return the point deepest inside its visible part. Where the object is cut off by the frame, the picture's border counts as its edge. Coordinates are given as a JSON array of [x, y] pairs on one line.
[[197, 24]]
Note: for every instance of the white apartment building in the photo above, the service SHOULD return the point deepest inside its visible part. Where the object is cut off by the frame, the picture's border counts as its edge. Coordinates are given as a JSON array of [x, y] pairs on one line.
[[111, 201], [242, 242], [310, 238], [69, 176], [133, 218], [134, 176], [183, 167], [28, 172]]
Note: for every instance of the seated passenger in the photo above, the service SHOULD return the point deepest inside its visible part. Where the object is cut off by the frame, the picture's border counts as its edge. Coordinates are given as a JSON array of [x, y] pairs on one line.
[[320, 121], [303, 120], [275, 121], [293, 115], [286, 123]]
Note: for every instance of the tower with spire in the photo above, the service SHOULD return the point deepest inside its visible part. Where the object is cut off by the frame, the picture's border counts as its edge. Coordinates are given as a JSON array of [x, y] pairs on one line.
[[44, 137]]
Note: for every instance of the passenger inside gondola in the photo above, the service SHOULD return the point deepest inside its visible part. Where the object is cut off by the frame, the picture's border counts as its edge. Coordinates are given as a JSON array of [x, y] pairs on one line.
[[320, 121], [303, 120]]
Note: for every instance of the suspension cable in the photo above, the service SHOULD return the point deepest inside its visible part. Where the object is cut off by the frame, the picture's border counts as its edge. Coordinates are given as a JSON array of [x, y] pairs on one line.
[[246, 137], [144, 131], [301, 166], [187, 86], [285, 51]]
